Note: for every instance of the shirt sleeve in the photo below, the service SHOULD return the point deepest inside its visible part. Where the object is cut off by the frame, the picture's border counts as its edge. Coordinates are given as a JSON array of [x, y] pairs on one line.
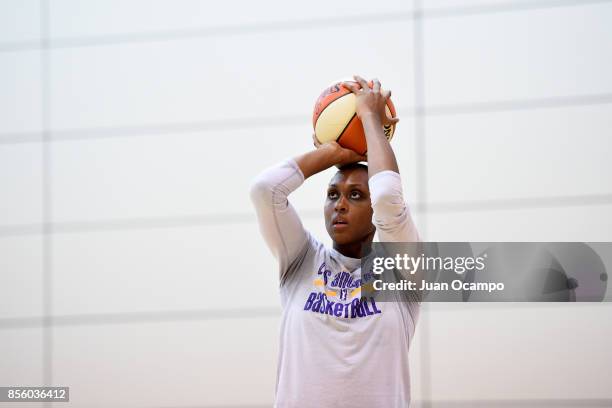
[[393, 222], [391, 214], [278, 221]]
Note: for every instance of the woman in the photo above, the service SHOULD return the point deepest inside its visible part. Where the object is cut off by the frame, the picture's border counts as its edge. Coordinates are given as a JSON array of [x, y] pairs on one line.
[[337, 349]]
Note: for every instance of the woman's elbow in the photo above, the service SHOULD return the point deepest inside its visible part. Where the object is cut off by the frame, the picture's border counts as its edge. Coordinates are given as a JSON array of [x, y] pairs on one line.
[[388, 204], [259, 190]]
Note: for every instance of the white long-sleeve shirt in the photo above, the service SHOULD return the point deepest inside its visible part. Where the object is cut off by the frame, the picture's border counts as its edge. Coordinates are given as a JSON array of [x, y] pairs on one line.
[[336, 349]]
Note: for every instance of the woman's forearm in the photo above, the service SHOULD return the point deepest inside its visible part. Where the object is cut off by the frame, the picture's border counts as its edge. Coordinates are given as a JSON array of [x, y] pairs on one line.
[[316, 160], [380, 153], [370, 106]]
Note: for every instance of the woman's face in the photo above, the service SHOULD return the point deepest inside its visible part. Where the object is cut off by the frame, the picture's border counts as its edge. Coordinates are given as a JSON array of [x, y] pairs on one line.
[[348, 210]]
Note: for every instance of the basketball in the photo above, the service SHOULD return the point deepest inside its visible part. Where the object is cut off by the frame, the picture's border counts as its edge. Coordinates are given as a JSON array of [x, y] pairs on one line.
[[334, 118]]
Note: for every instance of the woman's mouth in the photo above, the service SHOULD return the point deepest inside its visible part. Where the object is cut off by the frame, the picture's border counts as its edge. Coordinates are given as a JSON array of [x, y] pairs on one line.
[[340, 224]]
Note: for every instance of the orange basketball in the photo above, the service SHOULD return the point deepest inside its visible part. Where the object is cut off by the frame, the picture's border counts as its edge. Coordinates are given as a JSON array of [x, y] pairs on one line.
[[334, 118]]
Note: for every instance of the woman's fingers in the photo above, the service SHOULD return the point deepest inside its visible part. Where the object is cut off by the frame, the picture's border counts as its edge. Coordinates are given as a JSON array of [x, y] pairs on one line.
[[376, 85], [351, 157], [390, 120], [355, 157], [351, 87], [358, 158], [361, 81]]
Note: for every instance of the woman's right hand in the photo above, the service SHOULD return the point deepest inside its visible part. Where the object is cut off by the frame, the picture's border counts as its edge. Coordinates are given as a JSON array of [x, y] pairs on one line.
[[370, 101], [343, 155]]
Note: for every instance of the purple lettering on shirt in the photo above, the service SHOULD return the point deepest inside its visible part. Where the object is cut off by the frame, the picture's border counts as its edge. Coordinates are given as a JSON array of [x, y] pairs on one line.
[[309, 301]]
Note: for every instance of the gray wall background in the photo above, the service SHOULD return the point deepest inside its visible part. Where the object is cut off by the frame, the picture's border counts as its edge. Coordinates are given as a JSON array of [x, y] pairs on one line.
[[131, 267]]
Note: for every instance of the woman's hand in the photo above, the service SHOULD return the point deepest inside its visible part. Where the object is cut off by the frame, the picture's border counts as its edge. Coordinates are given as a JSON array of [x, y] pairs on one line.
[[370, 102], [342, 155], [371, 109], [324, 156]]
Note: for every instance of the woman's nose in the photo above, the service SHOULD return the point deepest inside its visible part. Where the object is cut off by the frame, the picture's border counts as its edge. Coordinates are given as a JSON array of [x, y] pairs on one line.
[[341, 204]]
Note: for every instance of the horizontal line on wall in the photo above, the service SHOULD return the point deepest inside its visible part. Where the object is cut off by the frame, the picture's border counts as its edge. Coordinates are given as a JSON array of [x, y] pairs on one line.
[[515, 203], [204, 32], [133, 224], [163, 316], [332, 22], [516, 105], [468, 307], [92, 133], [153, 129], [170, 316], [243, 218], [508, 6]]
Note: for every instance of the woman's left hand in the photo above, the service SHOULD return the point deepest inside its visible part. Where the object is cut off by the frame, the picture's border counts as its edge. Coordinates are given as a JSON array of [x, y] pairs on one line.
[[342, 155], [370, 101]]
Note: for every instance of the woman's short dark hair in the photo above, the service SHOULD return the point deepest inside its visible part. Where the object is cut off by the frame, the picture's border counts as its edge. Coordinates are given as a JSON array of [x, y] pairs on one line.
[[354, 166]]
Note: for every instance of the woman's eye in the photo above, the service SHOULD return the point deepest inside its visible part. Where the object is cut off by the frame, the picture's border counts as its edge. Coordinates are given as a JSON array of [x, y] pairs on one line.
[[355, 194], [332, 195]]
